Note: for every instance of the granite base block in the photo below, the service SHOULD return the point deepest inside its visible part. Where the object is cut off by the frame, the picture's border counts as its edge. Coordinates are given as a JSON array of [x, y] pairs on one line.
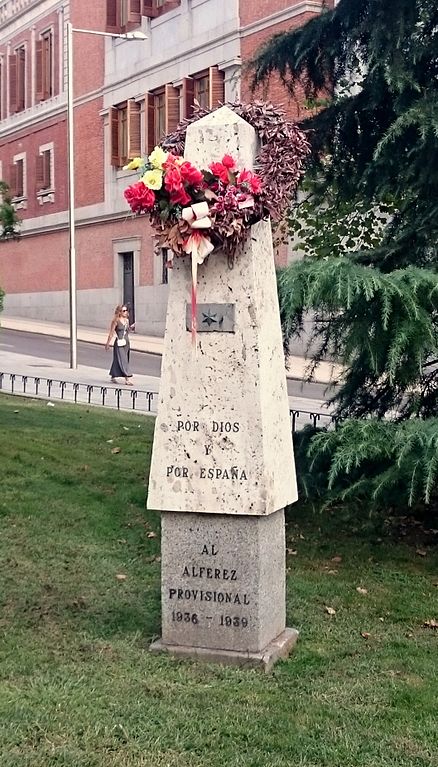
[[278, 649], [223, 580]]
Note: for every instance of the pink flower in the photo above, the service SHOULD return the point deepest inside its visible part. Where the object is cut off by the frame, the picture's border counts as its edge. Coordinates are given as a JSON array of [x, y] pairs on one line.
[[171, 160], [248, 177], [255, 184], [139, 197]]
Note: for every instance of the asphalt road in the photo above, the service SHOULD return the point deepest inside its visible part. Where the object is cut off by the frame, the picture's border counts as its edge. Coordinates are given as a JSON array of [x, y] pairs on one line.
[[94, 355]]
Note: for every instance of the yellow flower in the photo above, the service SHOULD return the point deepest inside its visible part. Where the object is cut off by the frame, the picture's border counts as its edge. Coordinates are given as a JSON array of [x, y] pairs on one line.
[[153, 179], [134, 164], [158, 157]]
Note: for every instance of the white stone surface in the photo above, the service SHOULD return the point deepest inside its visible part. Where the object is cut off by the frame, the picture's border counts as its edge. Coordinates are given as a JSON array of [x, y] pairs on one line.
[[223, 441]]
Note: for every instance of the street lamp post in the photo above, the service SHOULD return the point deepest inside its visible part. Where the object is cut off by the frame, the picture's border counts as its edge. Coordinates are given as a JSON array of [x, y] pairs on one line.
[[136, 35]]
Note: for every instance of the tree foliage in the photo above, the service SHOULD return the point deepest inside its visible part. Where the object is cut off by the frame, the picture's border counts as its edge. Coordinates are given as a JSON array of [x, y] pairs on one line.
[[367, 222], [388, 464], [9, 220], [376, 62]]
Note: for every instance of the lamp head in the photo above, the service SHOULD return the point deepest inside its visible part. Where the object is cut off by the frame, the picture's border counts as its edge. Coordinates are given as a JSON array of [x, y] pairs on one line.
[[136, 35]]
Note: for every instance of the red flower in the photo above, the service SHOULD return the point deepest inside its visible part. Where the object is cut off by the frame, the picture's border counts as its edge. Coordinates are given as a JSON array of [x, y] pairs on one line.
[[172, 179], [219, 170], [228, 161], [139, 197], [180, 196], [190, 174]]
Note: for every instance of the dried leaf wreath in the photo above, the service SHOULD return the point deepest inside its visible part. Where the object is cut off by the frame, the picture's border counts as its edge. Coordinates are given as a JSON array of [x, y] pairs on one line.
[[283, 151]]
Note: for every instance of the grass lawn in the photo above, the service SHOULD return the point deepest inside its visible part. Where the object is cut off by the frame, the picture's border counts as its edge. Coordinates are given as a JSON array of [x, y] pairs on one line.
[[80, 602]]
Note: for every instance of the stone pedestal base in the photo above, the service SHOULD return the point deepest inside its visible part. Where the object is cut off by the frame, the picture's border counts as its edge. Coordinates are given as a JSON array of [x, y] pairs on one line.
[[278, 649], [222, 583]]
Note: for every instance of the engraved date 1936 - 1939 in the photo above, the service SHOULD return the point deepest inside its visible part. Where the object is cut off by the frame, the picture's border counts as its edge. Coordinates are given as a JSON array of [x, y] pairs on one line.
[[229, 621]]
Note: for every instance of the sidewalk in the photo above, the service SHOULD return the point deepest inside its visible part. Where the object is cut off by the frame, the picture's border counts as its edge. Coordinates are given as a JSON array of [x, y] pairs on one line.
[[149, 344]]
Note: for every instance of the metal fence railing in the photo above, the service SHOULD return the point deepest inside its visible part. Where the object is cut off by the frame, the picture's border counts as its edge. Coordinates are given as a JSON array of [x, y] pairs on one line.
[[79, 393], [122, 399]]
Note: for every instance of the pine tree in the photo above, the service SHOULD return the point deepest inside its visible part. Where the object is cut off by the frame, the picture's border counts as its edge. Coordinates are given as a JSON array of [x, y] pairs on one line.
[[371, 68]]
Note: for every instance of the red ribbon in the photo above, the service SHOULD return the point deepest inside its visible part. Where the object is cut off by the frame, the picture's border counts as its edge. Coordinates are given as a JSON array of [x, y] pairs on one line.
[[199, 246]]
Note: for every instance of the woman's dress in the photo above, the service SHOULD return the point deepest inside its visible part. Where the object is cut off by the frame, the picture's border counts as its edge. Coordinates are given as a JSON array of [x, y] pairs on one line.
[[120, 366]]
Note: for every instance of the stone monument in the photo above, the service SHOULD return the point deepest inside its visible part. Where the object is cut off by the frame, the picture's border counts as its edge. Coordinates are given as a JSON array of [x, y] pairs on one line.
[[222, 464]]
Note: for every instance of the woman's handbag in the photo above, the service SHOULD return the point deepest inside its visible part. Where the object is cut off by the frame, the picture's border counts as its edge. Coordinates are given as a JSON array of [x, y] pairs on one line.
[[121, 341]]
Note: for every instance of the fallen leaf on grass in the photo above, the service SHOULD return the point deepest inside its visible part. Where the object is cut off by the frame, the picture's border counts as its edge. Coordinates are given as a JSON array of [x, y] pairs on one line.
[[330, 610], [116, 450], [421, 552], [332, 572], [151, 535], [16, 411], [361, 590], [125, 428], [430, 624], [336, 559], [365, 634], [121, 577], [50, 404], [109, 441], [292, 552], [79, 603]]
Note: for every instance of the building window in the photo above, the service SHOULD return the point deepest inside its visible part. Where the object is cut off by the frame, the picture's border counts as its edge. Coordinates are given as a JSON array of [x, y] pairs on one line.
[[162, 6], [17, 80], [206, 88], [1, 91], [124, 15], [159, 120], [18, 180], [202, 90], [125, 122], [44, 170], [44, 66], [161, 114]]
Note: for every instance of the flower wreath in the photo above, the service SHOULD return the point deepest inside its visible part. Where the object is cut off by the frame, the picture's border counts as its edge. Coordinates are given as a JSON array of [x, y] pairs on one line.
[[195, 211], [284, 149]]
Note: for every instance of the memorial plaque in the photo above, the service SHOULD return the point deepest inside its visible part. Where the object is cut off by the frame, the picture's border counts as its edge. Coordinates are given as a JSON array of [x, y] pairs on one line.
[[211, 318]]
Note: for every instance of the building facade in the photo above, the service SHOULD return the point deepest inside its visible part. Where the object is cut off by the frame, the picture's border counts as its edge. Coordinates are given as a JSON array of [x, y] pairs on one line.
[[128, 93]]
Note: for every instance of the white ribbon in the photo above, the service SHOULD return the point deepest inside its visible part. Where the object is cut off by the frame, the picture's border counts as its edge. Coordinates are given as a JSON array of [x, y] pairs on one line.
[[197, 215]]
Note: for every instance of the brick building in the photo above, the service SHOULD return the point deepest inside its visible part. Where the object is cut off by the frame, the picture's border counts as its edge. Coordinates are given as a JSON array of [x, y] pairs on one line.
[[127, 94]]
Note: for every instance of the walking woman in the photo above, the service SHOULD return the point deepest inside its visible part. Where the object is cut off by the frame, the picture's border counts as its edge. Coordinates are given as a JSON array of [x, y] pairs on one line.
[[120, 327]]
